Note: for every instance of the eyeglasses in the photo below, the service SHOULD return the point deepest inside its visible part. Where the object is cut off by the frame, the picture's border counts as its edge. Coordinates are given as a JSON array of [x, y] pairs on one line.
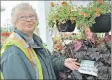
[[25, 18]]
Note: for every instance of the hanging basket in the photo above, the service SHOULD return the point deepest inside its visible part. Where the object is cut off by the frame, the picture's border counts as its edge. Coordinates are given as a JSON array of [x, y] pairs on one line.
[[103, 24], [66, 27]]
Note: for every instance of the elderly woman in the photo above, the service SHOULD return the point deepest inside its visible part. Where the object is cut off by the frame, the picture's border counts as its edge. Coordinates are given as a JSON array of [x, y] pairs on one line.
[[24, 55]]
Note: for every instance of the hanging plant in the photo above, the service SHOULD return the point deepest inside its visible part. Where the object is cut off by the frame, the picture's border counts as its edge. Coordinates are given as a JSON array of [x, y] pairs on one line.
[[93, 14], [63, 16]]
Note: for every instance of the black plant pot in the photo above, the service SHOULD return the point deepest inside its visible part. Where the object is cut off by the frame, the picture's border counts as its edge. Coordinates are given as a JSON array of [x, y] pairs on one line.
[[66, 27], [103, 24]]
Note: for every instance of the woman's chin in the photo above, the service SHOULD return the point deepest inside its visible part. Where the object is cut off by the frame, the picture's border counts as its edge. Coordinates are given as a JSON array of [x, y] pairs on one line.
[[30, 29]]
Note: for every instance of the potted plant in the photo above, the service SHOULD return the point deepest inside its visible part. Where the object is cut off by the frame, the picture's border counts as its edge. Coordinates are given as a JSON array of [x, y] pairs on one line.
[[63, 16], [96, 15]]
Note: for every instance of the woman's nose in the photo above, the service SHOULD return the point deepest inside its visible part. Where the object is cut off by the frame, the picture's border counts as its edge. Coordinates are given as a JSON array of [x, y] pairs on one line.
[[28, 19]]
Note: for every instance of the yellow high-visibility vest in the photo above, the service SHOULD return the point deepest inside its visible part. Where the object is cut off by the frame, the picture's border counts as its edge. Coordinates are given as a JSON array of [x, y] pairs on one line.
[[16, 40]]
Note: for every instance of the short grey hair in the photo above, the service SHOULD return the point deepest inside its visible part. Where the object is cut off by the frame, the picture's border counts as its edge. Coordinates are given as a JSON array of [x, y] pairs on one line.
[[19, 8]]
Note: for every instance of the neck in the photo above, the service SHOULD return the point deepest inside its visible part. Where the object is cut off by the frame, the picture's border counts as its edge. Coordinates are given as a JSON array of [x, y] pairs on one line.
[[29, 34]]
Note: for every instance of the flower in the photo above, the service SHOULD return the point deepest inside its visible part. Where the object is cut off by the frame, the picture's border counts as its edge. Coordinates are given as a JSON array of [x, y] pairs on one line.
[[64, 3], [61, 12], [87, 15], [52, 4], [57, 44], [100, 1]]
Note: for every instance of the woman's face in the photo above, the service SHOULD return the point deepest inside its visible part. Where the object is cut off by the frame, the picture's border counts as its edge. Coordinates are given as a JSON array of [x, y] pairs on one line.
[[26, 21]]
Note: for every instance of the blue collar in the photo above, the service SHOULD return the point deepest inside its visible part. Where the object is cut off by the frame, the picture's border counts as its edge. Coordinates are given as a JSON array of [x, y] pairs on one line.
[[28, 40]]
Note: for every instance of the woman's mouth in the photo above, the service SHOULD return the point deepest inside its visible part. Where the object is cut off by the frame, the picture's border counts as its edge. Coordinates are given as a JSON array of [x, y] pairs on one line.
[[29, 25]]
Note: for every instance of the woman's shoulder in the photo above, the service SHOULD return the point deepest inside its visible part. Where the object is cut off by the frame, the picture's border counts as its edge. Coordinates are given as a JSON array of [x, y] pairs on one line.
[[12, 48], [11, 51]]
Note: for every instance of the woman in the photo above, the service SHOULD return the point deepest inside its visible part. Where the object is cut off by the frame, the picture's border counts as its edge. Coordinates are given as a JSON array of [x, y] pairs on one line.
[[24, 56]]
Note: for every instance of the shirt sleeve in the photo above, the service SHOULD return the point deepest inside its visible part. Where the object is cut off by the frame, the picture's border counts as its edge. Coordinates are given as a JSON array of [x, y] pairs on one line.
[[57, 62]]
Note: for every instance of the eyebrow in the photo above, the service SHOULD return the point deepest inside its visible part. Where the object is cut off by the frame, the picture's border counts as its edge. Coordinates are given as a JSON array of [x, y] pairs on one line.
[[27, 15]]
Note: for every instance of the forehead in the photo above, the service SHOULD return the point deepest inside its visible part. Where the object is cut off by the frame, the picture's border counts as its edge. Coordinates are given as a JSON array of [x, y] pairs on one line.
[[25, 12]]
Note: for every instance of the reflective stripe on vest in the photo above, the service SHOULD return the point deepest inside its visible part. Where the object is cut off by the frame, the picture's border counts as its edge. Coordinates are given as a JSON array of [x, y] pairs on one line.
[[16, 40], [1, 78]]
